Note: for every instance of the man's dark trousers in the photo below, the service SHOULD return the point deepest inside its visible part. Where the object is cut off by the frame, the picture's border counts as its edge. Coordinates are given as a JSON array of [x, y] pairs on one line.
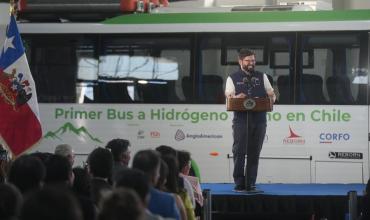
[[254, 134]]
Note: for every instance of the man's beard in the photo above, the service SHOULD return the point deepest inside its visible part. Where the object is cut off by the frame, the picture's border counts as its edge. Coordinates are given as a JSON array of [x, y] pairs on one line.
[[248, 68]]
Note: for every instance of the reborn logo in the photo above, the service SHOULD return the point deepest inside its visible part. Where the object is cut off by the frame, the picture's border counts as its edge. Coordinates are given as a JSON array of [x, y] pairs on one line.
[[294, 138]]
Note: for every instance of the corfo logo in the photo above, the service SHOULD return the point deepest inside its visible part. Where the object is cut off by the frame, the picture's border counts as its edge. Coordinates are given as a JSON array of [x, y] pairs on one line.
[[294, 138], [180, 135], [345, 155], [328, 138]]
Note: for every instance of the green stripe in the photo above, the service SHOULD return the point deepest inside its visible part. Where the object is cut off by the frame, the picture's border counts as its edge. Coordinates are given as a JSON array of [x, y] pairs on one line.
[[195, 168], [241, 17]]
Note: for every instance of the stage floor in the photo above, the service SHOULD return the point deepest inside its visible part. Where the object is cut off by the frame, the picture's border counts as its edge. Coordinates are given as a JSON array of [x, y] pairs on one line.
[[283, 201], [290, 189]]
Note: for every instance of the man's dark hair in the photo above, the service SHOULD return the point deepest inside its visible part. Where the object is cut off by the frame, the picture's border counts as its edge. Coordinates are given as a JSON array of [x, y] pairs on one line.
[[146, 161], [245, 53], [58, 169], [82, 181], [117, 147], [51, 203], [27, 173], [10, 202], [183, 157], [166, 150], [133, 179], [121, 204], [100, 162]]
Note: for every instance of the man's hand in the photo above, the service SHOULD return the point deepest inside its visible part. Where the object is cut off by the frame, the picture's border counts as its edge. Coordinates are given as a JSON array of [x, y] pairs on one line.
[[240, 95]]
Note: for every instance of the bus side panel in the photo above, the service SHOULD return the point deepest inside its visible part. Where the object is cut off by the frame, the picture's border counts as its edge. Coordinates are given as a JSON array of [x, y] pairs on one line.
[[303, 144]]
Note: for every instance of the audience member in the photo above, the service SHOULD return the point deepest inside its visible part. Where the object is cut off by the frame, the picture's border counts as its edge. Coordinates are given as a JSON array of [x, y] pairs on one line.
[[27, 173], [122, 204], [165, 150], [82, 182], [43, 156], [120, 152], [100, 164], [175, 184], [10, 202], [184, 159], [4, 164], [65, 150], [59, 171], [160, 203], [365, 209], [136, 180], [50, 203]]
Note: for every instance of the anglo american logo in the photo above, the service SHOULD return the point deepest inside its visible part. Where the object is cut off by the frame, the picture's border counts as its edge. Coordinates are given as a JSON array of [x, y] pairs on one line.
[[180, 135], [294, 138]]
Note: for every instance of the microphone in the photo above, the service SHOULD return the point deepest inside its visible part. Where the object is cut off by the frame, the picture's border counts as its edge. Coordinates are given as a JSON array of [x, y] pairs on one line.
[[246, 80]]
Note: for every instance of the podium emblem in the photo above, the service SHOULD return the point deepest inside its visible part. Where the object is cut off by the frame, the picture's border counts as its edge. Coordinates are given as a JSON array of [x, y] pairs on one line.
[[249, 104]]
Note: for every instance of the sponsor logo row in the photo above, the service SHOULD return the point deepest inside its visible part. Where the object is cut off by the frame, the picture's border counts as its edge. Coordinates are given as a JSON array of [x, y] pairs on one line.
[[293, 137]]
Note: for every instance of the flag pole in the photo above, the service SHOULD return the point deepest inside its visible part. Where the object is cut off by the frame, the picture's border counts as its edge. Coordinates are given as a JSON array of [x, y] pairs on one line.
[[13, 8]]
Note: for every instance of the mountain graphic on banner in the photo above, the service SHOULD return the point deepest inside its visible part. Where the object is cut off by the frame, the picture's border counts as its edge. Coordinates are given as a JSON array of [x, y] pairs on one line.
[[68, 128]]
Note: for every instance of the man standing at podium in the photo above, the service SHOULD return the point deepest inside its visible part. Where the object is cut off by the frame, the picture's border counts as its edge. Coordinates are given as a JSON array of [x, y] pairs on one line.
[[249, 128]]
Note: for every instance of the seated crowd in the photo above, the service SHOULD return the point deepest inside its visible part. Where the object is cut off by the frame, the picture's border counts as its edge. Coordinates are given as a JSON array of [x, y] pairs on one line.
[[46, 186]]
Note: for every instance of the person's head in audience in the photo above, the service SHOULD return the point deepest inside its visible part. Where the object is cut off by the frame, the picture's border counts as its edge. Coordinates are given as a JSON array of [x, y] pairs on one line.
[[120, 151], [184, 159], [100, 163], [136, 180], [4, 164], [81, 183], [67, 151], [59, 171], [122, 203], [10, 201], [148, 161], [43, 156], [27, 173], [166, 150], [163, 172], [51, 203]]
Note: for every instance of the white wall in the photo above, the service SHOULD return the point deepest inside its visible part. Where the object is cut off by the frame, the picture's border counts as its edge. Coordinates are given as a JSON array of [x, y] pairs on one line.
[[4, 20]]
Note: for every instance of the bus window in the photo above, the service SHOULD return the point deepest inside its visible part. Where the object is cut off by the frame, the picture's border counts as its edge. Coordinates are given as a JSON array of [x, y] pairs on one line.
[[53, 64], [331, 78], [149, 70]]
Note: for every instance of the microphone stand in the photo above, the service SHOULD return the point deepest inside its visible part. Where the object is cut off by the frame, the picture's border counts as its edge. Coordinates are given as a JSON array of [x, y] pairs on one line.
[[249, 87]]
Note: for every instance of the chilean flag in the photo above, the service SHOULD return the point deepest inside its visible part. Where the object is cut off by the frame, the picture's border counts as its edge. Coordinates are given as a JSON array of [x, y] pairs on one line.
[[20, 127]]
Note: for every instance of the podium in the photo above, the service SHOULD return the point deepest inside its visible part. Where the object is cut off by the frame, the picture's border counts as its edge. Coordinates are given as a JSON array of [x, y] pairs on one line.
[[249, 104]]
